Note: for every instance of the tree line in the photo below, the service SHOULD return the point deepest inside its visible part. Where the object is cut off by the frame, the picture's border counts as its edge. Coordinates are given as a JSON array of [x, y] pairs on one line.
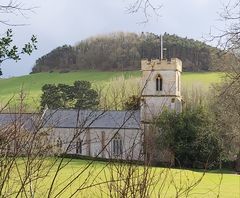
[[124, 51]]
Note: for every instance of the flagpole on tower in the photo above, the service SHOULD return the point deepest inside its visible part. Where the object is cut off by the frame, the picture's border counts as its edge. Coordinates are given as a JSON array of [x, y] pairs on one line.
[[161, 48]]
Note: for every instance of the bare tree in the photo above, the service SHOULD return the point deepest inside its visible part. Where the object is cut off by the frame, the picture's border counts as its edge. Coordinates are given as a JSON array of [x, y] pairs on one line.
[[228, 94]]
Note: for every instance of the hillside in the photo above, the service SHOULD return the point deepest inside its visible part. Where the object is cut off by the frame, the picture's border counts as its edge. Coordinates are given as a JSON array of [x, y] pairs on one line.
[[31, 84], [123, 51]]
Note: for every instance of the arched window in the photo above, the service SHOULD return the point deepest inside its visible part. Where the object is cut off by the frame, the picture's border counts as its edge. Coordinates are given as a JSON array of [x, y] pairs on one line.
[[59, 143], [79, 146], [159, 83], [117, 145]]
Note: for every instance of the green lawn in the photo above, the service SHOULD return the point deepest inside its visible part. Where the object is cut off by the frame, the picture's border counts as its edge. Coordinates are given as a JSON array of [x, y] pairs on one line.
[[201, 79], [164, 181], [31, 84]]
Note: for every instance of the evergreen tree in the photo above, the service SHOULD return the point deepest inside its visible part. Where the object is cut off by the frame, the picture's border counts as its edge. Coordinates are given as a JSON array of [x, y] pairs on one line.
[[191, 135], [80, 95], [86, 98], [51, 97]]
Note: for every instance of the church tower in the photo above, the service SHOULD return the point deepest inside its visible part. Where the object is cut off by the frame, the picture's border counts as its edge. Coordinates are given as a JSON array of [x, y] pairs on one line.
[[161, 87]]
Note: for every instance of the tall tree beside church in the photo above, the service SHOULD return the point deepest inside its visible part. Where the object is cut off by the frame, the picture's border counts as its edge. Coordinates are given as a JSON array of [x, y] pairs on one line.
[[85, 96], [79, 95], [51, 97], [191, 136]]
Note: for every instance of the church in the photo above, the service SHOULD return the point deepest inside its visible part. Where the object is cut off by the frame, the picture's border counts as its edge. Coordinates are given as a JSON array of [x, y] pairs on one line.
[[119, 134]]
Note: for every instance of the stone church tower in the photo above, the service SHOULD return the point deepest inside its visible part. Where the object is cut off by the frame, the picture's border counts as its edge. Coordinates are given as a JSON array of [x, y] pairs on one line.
[[161, 89]]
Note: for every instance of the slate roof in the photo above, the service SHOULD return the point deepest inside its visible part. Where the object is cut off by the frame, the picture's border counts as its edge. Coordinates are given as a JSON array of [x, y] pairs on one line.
[[73, 118], [25, 120]]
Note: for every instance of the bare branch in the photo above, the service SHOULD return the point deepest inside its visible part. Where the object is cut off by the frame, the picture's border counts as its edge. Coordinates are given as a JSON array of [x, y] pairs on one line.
[[146, 7], [14, 7]]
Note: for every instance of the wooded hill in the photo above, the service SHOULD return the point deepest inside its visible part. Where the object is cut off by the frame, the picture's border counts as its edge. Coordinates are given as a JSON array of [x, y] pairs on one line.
[[123, 51]]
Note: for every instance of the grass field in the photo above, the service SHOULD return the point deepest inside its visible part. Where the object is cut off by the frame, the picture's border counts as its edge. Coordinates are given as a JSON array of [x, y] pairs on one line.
[[167, 181], [227, 185], [31, 84]]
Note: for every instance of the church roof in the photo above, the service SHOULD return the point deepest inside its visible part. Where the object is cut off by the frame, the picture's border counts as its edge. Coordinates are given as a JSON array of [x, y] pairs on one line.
[[73, 118], [25, 120]]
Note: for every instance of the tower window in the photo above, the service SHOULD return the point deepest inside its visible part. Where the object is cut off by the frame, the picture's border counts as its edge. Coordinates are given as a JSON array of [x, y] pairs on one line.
[[158, 83]]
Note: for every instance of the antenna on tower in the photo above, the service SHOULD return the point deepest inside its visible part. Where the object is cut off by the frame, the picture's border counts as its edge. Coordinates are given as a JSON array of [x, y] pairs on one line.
[[161, 47]]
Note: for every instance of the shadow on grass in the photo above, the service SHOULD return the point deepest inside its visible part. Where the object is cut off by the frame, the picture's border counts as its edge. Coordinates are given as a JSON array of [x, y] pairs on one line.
[[217, 171]]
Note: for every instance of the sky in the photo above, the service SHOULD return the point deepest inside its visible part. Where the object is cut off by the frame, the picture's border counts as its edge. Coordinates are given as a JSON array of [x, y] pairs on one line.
[[59, 22]]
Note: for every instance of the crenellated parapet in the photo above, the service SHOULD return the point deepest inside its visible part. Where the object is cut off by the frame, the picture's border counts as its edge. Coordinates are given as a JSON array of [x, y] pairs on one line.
[[174, 64]]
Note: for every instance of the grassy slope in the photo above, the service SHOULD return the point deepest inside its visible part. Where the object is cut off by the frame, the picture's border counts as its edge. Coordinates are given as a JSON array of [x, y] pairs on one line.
[[204, 78], [32, 83], [227, 184]]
